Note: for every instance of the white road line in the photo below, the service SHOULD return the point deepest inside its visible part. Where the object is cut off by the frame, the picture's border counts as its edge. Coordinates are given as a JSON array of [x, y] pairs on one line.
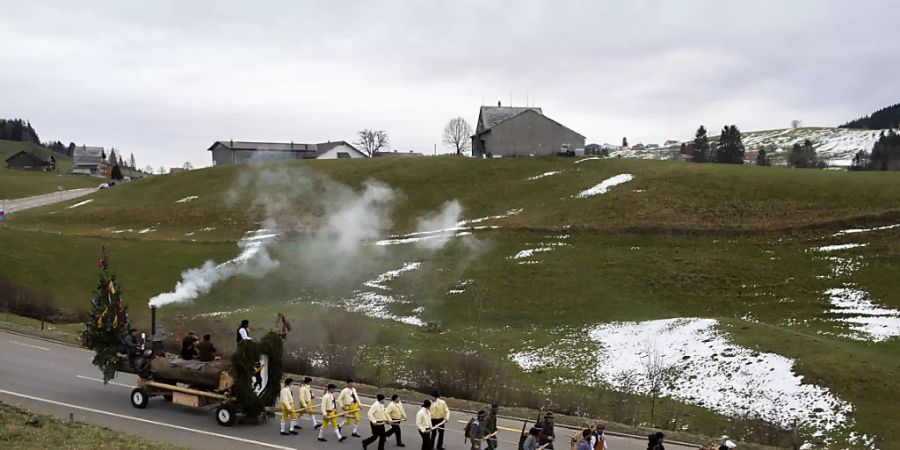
[[151, 422], [100, 381], [29, 345]]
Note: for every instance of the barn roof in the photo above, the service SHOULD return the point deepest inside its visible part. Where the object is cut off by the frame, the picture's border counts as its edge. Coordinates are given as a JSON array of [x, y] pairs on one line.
[[491, 116], [265, 146]]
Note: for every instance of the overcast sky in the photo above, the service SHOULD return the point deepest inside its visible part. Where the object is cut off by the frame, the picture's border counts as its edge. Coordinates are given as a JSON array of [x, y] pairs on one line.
[[165, 79]]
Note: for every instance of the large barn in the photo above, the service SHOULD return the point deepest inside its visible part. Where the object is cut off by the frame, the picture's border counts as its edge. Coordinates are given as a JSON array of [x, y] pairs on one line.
[[504, 131], [28, 161], [241, 152]]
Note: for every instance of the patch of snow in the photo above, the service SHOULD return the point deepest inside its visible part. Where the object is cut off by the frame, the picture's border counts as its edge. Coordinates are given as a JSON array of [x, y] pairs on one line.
[[530, 262], [587, 159], [147, 230], [464, 223], [375, 305], [836, 247], [187, 199], [530, 251], [545, 174], [455, 291], [224, 313], [868, 321], [80, 203], [208, 229], [190, 233], [413, 239], [864, 230], [123, 231], [710, 371], [378, 282], [604, 186]]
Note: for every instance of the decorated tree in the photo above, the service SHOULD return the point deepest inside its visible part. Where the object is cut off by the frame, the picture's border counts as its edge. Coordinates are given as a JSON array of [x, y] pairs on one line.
[[107, 323]]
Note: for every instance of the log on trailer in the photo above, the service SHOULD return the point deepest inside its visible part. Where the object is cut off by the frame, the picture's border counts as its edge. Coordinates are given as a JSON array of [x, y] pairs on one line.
[[170, 368]]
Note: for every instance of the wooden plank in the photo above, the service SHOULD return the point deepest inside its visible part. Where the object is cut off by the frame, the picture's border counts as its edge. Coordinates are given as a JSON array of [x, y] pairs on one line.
[[174, 388]]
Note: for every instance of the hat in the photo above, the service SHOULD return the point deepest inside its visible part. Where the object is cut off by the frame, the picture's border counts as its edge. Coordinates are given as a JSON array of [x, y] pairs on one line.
[[730, 444]]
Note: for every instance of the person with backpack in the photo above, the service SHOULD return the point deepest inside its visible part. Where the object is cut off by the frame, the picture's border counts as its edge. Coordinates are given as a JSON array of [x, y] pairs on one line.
[[490, 427], [475, 430], [531, 442], [598, 440]]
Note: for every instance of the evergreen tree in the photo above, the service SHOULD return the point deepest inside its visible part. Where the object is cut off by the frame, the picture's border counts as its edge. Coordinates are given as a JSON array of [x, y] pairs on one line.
[[803, 156], [116, 173], [761, 158], [730, 149], [624, 142], [112, 157], [107, 323], [700, 145], [886, 152], [883, 118], [131, 164]]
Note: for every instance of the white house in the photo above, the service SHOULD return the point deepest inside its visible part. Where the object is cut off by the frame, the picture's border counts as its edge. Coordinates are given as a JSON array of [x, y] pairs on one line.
[[241, 152]]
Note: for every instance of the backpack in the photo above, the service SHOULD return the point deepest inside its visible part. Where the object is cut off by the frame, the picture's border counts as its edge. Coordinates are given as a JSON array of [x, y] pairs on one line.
[[469, 430]]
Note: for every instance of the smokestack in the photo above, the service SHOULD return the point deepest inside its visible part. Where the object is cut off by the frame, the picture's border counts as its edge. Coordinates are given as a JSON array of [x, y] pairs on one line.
[[155, 339]]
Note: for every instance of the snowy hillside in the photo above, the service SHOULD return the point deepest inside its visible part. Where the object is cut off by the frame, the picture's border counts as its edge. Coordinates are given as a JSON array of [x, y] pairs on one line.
[[834, 145]]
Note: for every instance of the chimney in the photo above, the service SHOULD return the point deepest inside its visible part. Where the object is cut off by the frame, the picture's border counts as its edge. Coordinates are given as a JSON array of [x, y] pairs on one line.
[[498, 103], [155, 339], [231, 143]]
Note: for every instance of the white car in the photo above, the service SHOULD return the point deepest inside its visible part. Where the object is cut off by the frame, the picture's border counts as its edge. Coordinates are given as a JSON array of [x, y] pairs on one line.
[[103, 186]]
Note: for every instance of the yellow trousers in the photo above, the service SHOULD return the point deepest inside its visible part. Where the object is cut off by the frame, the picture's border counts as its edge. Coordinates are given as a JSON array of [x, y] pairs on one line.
[[351, 413], [287, 412], [330, 418], [305, 410]]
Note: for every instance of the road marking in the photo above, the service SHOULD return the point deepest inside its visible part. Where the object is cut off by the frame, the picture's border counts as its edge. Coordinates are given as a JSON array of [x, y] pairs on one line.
[[151, 422], [101, 381], [30, 345]]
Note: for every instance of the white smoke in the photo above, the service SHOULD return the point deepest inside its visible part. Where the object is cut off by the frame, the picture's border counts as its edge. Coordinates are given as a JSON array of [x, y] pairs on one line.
[[444, 223], [253, 261]]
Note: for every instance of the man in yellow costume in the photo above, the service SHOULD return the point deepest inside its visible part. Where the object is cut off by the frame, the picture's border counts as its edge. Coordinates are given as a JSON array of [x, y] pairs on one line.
[[329, 416], [286, 401], [349, 401]]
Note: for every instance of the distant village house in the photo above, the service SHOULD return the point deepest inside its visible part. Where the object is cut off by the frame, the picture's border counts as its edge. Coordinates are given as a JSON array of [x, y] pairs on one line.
[[504, 131], [89, 160], [29, 161], [242, 152], [396, 154]]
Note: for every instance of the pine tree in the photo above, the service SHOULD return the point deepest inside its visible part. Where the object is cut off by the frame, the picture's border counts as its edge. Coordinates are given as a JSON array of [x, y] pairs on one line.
[[107, 323], [730, 148], [761, 158], [116, 173], [803, 156], [700, 145], [624, 142], [131, 164]]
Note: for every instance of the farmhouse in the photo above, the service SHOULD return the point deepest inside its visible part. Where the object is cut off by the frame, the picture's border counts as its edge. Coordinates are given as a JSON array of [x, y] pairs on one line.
[[241, 152], [521, 131], [28, 161], [88, 160]]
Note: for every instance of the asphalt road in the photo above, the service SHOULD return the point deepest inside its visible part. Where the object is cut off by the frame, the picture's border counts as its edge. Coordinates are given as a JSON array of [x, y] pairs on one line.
[[21, 204], [60, 380]]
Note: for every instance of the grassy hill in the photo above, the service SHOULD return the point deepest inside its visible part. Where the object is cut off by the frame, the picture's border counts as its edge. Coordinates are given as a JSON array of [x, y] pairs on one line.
[[541, 296], [837, 146], [22, 183]]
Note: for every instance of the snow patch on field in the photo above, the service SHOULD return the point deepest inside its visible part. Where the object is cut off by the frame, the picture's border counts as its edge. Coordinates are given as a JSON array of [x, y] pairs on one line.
[[147, 230], [377, 304], [531, 251], [837, 247], [461, 228], [187, 199], [510, 213], [523, 255], [864, 230], [711, 371], [224, 313], [868, 321], [80, 203], [545, 174], [604, 186], [587, 159]]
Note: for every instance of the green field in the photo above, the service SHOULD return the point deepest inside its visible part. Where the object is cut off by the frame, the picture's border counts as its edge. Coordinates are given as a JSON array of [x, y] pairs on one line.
[[23, 429], [24, 183], [728, 243]]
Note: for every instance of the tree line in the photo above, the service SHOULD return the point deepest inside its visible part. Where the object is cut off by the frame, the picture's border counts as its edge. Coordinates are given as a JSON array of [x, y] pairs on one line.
[[885, 154], [18, 130], [888, 117], [729, 149]]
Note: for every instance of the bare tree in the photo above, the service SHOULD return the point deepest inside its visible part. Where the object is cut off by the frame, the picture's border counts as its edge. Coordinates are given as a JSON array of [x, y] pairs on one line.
[[372, 140], [796, 123], [162, 170], [458, 133], [187, 166], [148, 169], [658, 374]]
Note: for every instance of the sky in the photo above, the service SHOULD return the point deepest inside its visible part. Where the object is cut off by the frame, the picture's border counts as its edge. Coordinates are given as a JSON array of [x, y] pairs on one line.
[[165, 79]]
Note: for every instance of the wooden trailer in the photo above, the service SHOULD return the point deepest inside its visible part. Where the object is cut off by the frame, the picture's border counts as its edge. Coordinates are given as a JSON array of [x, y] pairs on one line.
[[226, 409]]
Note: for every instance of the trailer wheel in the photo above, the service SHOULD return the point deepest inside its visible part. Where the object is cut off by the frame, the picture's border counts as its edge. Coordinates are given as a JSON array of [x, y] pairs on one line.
[[225, 415], [139, 398]]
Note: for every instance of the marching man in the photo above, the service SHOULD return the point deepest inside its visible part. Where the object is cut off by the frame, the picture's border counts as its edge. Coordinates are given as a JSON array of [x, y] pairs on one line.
[[304, 401], [286, 401], [377, 419], [349, 401], [440, 415], [329, 416], [423, 424], [395, 414]]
